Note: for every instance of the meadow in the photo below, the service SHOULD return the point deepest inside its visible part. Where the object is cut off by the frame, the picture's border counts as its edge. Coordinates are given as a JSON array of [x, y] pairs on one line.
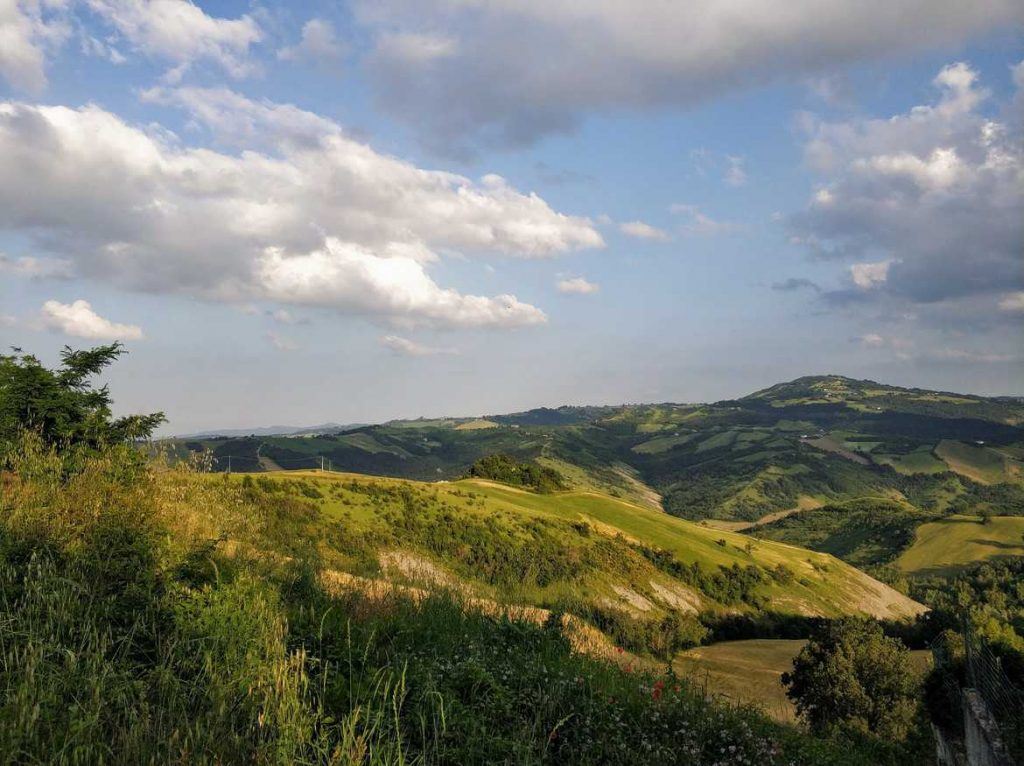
[[951, 544]]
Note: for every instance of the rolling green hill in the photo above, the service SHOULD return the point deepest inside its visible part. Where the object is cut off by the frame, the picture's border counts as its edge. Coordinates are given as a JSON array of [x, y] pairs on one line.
[[611, 561]]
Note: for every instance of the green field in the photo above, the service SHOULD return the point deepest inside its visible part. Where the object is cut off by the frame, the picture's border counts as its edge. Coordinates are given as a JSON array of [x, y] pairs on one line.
[[750, 672], [920, 460], [975, 462], [943, 547]]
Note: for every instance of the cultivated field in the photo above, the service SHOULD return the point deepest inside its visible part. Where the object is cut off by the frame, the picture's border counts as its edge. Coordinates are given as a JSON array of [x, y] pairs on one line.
[[942, 547]]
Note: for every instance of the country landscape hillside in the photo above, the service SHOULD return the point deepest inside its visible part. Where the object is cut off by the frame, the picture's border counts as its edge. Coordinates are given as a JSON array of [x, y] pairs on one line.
[[531, 549], [826, 462]]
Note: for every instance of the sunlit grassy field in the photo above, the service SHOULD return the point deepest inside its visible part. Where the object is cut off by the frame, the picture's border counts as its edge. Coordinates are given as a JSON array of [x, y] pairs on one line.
[[750, 671], [943, 547]]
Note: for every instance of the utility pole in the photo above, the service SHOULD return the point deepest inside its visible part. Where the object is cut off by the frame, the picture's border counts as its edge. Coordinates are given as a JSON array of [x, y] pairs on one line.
[[229, 463], [321, 464]]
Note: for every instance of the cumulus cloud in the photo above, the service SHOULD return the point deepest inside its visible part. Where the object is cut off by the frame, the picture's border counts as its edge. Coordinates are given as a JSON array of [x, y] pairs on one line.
[[929, 204], [406, 347], [80, 321], [353, 279], [869, 275], [475, 83], [36, 268], [28, 30], [319, 43], [577, 286], [642, 230], [322, 219], [181, 33]]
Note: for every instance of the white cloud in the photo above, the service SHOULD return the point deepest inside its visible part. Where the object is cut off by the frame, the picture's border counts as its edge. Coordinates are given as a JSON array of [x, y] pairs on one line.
[[319, 43], [181, 33], [238, 121], [698, 222], [869, 275], [36, 268], [135, 207], [281, 342], [28, 30], [577, 286], [1013, 302], [872, 340], [349, 277], [933, 197], [407, 347], [479, 82], [6, 320], [79, 320], [643, 230]]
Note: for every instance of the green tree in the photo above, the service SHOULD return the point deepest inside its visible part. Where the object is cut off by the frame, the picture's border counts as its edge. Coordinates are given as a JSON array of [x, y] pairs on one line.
[[851, 676], [62, 405]]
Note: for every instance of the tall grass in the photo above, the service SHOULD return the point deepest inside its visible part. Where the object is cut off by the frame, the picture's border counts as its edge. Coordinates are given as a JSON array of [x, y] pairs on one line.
[[129, 635]]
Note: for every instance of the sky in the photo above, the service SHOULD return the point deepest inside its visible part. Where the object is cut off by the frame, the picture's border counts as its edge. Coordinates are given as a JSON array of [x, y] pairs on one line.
[[295, 213]]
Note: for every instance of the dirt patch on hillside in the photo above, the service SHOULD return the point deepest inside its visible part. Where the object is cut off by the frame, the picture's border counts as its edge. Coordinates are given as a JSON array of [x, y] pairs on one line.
[[416, 568], [583, 638], [677, 596], [642, 491], [633, 599]]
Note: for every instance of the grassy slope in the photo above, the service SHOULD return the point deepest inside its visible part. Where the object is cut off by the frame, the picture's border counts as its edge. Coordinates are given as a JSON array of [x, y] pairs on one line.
[[822, 584], [943, 547], [975, 462]]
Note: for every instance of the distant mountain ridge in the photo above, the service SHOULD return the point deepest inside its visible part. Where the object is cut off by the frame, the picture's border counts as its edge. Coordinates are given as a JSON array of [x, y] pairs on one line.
[[271, 431]]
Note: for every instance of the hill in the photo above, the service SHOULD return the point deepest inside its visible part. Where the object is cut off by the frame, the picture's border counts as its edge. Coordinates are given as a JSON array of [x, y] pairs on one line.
[[811, 441], [620, 565], [164, 616]]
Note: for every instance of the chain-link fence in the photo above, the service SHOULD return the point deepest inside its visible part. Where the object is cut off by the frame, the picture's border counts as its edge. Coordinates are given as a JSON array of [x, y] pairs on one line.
[[1004, 699]]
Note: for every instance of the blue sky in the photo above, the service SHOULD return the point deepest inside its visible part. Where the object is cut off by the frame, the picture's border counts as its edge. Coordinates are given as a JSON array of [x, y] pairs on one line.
[[353, 212]]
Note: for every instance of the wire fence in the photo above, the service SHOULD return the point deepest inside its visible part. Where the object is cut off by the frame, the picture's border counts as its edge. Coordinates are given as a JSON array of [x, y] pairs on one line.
[[1004, 699]]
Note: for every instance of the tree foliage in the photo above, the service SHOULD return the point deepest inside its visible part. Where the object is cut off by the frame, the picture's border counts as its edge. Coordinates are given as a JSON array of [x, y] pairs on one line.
[[851, 676], [62, 405], [508, 470]]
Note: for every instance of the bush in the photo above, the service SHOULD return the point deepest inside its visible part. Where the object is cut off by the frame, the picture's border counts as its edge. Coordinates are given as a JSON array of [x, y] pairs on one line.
[[508, 470], [850, 675]]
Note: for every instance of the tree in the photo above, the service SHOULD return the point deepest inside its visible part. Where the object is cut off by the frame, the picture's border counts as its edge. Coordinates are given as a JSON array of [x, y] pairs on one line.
[[851, 675], [61, 405]]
